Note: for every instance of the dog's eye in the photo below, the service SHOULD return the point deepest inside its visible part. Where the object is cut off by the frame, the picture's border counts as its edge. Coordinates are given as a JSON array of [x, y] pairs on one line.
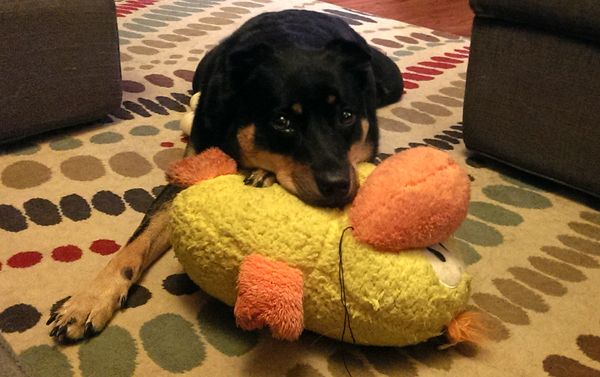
[[282, 124], [347, 118]]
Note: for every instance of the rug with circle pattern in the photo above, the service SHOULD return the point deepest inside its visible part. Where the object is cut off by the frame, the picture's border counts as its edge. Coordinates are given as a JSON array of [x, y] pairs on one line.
[[70, 199]]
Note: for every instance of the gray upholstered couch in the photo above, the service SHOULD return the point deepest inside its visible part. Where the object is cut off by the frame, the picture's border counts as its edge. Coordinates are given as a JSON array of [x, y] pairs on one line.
[[533, 88], [9, 363], [59, 64]]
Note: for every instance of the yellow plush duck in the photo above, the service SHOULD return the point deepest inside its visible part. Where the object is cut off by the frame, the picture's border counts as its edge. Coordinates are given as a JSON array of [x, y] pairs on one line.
[[384, 265]]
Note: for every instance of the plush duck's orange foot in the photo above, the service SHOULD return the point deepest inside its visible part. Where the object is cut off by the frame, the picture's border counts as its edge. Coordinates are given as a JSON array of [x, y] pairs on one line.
[[270, 293]]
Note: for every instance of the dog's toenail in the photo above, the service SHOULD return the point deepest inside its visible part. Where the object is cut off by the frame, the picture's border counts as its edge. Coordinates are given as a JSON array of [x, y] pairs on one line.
[[89, 330], [54, 331], [52, 318]]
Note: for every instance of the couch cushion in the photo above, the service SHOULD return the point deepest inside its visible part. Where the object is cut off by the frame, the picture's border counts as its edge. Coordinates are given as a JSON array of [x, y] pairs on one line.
[[536, 116], [575, 17], [59, 62]]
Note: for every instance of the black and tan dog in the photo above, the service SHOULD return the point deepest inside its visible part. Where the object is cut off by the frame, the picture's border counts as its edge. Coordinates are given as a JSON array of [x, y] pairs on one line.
[[291, 96]]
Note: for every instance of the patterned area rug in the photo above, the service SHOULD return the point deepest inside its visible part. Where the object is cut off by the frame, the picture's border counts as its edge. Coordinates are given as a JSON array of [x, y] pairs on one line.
[[70, 200]]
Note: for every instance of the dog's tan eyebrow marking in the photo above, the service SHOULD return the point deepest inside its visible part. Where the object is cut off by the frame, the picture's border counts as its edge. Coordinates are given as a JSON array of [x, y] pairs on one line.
[[297, 108], [331, 99], [361, 150]]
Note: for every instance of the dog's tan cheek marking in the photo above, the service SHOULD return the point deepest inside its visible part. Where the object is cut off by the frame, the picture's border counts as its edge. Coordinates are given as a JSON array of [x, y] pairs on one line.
[[295, 177], [283, 167], [245, 137], [361, 150], [331, 99], [297, 108], [364, 126], [305, 182], [354, 184]]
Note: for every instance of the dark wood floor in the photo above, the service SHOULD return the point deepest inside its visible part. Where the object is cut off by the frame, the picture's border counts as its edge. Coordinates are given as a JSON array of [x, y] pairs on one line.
[[453, 16]]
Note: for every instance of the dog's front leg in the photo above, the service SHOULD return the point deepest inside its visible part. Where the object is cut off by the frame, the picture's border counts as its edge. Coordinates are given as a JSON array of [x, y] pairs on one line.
[[259, 178], [88, 311]]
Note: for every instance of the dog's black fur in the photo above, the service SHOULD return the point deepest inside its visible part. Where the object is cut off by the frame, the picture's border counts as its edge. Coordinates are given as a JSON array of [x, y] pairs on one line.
[[293, 94], [310, 60]]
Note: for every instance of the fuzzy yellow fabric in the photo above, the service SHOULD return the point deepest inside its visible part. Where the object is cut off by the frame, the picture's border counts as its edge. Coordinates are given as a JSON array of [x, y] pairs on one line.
[[393, 298]]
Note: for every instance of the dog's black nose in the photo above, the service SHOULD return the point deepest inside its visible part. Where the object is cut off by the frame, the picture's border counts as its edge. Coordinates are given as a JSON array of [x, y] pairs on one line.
[[334, 186]]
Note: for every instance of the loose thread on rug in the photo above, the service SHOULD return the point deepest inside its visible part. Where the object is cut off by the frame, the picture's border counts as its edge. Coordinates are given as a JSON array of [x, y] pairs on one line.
[[344, 301]]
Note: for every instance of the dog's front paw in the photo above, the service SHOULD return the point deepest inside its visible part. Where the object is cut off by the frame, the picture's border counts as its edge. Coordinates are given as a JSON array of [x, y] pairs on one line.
[[85, 313], [260, 178]]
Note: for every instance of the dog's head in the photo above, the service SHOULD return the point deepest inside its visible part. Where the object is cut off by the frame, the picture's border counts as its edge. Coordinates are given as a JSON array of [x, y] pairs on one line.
[[308, 116]]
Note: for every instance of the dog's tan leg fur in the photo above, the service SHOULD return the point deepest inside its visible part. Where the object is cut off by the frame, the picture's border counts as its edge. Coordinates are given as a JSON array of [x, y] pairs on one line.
[[89, 310]]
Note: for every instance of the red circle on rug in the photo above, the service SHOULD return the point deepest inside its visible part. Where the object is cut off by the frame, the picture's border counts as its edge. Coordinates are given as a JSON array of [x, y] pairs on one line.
[[166, 144], [410, 85], [68, 253], [104, 247], [416, 76], [425, 71], [457, 56], [24, 259], [438, 65], [446, 60]]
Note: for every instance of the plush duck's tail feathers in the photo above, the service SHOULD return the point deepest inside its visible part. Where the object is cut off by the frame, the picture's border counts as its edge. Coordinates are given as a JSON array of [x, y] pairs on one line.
[[468, 326]]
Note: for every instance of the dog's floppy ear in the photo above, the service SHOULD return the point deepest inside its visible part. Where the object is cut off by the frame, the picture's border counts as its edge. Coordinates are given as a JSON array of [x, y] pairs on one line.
[[352, 54], [242, 61]]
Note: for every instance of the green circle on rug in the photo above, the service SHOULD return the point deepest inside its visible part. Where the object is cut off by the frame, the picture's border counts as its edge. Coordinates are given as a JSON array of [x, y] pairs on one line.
[[110, 354], [494, 214], [479, 233], [172, 125], [516, 196], [65, 144], [465, 251], [217, 324], [144, 131], [46, 361], [25, 149], [403, 53], [108, 137], [171, 342]]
